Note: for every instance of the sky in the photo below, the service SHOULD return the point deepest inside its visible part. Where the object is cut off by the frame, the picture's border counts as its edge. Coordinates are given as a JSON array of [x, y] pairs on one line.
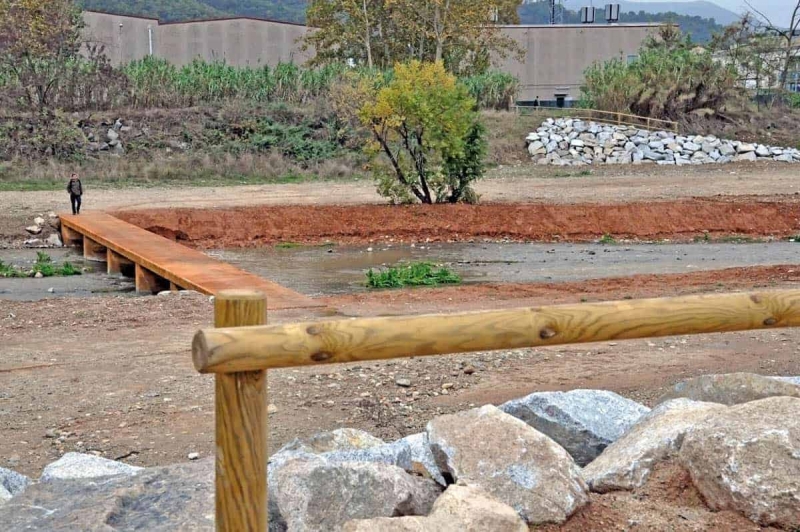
[[779, 11]]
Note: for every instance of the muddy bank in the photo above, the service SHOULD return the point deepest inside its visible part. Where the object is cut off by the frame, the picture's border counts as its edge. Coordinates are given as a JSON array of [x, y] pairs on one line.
[[682, 220]]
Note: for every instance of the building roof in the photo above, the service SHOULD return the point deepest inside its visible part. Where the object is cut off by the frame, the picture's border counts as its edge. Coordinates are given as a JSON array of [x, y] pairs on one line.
[[119, 14], [193, 21], [218, 19]]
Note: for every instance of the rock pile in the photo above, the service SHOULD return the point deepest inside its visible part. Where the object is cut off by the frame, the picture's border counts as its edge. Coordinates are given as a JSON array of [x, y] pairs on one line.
[[501, 469], [574, 142]]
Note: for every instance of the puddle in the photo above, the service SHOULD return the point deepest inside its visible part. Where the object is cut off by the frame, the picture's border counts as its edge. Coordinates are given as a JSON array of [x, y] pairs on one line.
[[319, 271]]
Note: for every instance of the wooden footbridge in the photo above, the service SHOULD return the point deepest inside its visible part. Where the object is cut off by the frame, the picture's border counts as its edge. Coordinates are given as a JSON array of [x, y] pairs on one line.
[[159, 264]]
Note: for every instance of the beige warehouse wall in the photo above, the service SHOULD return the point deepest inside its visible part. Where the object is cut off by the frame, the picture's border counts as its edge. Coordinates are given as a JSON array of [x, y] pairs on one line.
[[556, 56], [239, 42], [124, 38]]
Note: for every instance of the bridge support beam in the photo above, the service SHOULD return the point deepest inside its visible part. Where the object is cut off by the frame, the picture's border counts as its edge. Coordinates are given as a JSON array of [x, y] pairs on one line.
[[148, 282], [119, 265], [93, 251], [70, 237]]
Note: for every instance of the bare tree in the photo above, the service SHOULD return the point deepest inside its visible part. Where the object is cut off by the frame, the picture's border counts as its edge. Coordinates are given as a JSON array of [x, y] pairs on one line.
[[787, 36]]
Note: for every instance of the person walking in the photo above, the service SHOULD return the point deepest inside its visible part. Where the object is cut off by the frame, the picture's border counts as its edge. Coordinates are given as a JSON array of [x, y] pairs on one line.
[[75, 189]]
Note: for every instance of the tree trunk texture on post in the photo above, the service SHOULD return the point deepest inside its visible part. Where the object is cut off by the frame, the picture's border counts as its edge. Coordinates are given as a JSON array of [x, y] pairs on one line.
[[241, 425]]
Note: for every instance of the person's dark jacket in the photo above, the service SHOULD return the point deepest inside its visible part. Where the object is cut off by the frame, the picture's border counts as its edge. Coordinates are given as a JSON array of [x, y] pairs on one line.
[[74, 187]]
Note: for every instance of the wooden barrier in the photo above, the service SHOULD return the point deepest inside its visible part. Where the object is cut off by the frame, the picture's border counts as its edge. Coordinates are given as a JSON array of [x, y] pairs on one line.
[[240, 352], [611, 117], [241, 425]]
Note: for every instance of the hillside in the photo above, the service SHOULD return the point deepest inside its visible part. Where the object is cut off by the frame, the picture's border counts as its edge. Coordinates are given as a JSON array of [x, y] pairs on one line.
[[172, 10], [700, 8], [699, 26]]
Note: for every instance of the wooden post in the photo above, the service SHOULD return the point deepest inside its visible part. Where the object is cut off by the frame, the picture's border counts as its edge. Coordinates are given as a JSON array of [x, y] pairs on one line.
[[93, 251], [70, 237], [118, 265], [241, 425], [148, 282]]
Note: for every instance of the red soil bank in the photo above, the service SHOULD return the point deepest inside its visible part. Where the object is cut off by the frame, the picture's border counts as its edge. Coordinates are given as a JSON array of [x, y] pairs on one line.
[[677, 220]]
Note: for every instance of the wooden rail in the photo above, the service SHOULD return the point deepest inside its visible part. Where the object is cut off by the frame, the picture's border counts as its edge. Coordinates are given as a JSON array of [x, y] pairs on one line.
[[611, 117], [240, 354]]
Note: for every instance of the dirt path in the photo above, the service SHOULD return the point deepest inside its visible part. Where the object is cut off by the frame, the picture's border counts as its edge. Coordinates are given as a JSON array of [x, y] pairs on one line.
[[510, 184], [114, 376]]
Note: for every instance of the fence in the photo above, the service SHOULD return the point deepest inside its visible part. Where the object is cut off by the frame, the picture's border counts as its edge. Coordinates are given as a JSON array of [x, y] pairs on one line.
[[241, 350], [610, 117]]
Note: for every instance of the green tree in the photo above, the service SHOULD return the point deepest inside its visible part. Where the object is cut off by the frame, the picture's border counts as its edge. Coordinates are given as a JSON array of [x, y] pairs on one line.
[[40, 59], [379, 33], [426, 125]]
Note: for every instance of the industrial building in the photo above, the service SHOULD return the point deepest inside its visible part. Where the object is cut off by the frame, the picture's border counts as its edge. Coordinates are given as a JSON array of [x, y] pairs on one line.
[[552, 69]]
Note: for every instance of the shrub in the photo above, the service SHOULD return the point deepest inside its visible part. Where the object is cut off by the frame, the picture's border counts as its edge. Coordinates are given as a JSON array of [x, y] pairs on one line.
[[669, 80], [422, 121], [414, 274]]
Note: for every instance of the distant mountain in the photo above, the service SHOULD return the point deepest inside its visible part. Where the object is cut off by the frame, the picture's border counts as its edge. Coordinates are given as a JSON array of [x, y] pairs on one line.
[[698, 8], [701, 29], [172, 10]]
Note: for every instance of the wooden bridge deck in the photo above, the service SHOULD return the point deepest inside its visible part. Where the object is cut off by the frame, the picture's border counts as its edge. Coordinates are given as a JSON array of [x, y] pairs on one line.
[[159, 258]]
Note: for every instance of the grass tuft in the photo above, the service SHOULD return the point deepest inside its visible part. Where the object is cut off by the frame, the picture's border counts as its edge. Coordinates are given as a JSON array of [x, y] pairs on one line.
[[413, 274], [44, 264]]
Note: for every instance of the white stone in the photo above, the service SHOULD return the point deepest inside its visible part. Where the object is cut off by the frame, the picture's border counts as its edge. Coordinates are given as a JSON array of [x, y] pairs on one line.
[[85, 466]]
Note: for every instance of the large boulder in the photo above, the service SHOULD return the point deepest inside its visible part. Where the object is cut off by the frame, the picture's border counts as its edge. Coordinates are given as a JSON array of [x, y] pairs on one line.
[[85, 466], [584, 422], [412, 453], [747, 458], [627, 463], [496, 452], [11, 484], [731, 388], [459, 509], [335, 440], [312, 493], [790, 380], [179, 497]]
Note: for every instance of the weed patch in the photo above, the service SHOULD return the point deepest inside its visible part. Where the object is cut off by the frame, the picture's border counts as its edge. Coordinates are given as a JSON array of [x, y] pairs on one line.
[[414, 274], [44, 265], [607, 239]]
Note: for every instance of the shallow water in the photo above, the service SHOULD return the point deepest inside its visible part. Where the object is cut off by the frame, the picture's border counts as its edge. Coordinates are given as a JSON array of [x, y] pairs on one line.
[[341, 269], [94, 282]]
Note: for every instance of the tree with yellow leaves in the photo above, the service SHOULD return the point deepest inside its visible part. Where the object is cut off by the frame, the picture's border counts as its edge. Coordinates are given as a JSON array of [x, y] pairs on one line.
[[426, 125]]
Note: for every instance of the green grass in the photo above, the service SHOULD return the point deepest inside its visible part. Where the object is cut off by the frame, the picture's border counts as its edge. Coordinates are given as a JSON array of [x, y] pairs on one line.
[[413, 274], [44, 265], [607, 239]]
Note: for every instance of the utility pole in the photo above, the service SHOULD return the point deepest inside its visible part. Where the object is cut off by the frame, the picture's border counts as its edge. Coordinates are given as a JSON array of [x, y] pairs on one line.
[[552, 11]]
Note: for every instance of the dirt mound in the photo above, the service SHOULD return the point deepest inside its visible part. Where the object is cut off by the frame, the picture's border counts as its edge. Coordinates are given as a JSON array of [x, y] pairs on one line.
[[677, 220]]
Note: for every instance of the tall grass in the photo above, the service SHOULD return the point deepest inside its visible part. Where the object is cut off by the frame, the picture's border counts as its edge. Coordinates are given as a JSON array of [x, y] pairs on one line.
[[492, 90], [155, 82]]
